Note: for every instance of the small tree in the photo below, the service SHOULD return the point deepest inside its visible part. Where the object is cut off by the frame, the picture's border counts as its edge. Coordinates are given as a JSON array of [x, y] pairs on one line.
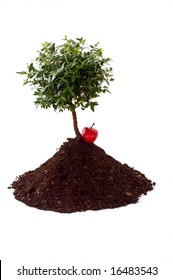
[[69, 76]]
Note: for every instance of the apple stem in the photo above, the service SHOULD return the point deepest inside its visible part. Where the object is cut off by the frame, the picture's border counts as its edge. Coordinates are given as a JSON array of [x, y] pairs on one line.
[[92, 125]]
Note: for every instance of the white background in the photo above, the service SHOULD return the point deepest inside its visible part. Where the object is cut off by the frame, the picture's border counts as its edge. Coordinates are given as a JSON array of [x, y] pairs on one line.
[[135, 126]]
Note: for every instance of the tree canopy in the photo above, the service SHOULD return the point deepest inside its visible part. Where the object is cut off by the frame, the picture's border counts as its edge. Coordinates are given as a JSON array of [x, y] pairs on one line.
[[69, 76]]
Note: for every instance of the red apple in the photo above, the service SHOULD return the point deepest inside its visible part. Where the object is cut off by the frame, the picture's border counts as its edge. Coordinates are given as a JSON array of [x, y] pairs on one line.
[[89, 134]]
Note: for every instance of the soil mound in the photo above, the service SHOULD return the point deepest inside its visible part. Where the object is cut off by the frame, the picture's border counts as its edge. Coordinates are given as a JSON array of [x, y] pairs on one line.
[[79, 177]]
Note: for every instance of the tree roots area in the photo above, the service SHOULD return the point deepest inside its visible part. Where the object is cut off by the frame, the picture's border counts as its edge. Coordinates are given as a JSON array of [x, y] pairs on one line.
[[80, 176]]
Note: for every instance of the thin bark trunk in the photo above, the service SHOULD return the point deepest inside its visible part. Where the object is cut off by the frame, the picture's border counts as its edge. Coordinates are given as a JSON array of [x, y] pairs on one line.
[[76, 129]]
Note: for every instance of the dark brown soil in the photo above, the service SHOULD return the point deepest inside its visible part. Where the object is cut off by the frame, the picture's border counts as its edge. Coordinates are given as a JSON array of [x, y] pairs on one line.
[[79, 177]]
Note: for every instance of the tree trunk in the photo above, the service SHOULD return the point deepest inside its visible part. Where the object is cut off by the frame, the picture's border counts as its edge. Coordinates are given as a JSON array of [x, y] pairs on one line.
[[76, 129]]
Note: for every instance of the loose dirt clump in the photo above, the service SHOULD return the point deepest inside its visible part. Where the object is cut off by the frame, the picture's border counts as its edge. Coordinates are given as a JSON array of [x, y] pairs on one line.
[[79, 177]]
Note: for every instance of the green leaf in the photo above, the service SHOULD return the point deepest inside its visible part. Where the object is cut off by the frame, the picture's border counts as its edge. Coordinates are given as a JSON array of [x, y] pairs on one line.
[[53, 77], [59, 70], [31, 67], [72, 107], [22, 73], [92, 105]]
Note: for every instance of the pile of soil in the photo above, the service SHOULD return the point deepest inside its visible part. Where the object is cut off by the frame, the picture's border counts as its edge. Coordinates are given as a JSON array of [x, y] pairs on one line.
[[79, 177]]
